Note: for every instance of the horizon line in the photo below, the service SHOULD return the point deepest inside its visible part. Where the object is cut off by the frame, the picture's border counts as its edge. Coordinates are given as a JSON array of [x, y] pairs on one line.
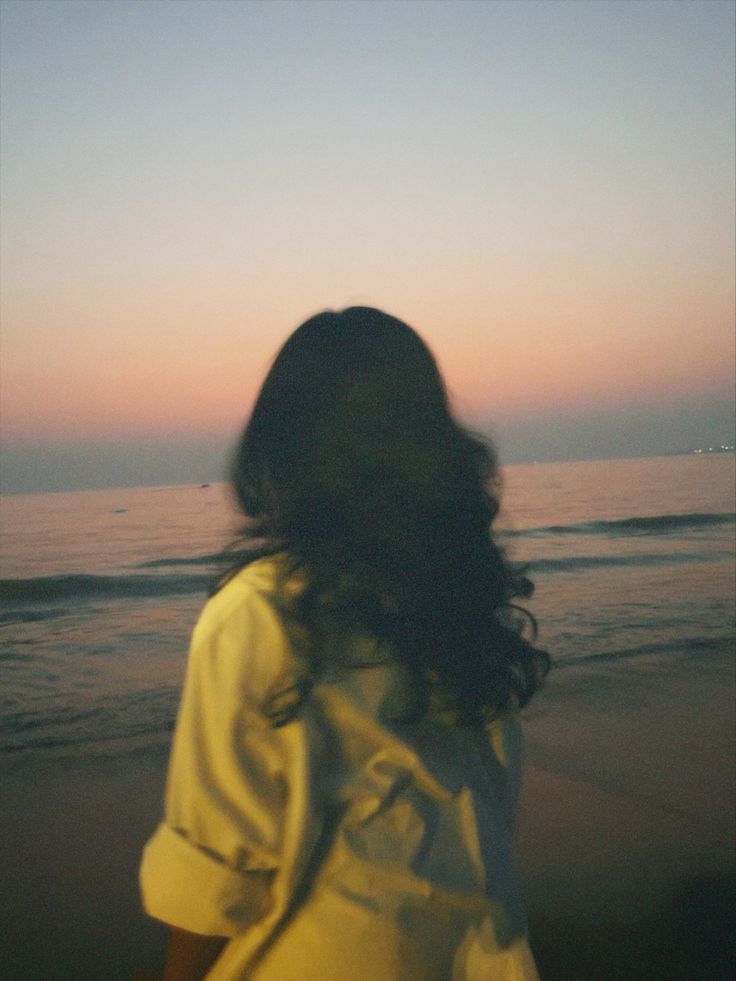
[[722, 450]]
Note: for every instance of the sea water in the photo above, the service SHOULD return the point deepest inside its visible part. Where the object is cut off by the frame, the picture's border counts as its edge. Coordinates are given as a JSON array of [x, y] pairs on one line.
[[100, 589]]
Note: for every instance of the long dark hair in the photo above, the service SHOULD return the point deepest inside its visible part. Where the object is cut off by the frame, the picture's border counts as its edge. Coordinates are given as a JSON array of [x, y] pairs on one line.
[[353, 466]]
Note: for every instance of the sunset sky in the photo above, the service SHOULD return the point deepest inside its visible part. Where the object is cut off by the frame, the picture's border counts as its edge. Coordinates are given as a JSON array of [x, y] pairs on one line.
[[544, 190]]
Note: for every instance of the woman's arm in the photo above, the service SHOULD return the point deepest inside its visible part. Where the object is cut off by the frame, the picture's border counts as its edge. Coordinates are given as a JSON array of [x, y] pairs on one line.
[[189, 956]]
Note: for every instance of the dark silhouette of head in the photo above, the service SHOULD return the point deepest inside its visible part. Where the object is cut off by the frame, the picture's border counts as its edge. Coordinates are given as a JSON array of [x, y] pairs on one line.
[[352, 465]]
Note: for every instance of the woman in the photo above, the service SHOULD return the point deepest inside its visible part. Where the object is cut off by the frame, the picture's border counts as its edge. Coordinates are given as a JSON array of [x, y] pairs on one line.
[[345, 767]]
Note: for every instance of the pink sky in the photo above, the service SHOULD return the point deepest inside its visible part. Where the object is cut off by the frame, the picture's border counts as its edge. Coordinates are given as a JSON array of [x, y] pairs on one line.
[[544, 190]]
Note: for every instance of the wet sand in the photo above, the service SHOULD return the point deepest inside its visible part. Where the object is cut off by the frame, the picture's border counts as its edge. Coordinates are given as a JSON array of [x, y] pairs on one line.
[[625, 836]]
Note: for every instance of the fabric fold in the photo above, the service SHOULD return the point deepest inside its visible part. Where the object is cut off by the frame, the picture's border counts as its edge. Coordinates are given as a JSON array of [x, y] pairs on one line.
[[224, 902]]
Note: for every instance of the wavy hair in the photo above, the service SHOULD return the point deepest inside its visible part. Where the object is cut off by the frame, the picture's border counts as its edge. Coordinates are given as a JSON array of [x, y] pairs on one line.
[[352, 465]]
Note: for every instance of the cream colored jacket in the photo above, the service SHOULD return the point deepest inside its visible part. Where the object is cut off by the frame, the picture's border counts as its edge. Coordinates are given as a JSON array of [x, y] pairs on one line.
[[341, 846]]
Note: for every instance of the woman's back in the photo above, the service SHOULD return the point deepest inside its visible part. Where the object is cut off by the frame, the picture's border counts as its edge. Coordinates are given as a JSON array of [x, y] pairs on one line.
[[354, 844], [308, 820]]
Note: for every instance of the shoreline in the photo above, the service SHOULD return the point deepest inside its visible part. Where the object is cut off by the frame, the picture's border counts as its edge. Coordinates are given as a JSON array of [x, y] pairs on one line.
[[627, 803], [625, 836]]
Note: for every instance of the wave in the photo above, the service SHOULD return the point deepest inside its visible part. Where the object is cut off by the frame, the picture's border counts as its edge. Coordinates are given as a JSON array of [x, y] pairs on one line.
[[227, 557], [30, 616], [577, 563], [212, 559], [46, 589], [654, 525], [80, 586], [683, 645], [657, 524], [111, 718], [20, 657]]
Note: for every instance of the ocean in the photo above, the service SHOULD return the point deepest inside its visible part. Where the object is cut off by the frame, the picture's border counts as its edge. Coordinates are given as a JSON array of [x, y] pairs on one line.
[[632, 560]]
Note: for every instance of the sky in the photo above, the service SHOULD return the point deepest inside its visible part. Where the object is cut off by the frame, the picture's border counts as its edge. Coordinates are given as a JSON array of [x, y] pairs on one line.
[[544, 190]]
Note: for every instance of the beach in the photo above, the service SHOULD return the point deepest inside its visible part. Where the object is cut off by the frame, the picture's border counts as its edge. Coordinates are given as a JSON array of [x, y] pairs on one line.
[[505, 230], [628, 798], [625, 824]]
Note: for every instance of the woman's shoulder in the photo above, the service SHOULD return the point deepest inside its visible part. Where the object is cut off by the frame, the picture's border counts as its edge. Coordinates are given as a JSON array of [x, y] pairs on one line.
[[240, 636], [255, 584]]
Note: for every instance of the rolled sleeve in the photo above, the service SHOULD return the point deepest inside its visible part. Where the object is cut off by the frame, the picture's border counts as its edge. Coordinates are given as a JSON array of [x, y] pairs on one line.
[[209, 866], [174, 871]]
